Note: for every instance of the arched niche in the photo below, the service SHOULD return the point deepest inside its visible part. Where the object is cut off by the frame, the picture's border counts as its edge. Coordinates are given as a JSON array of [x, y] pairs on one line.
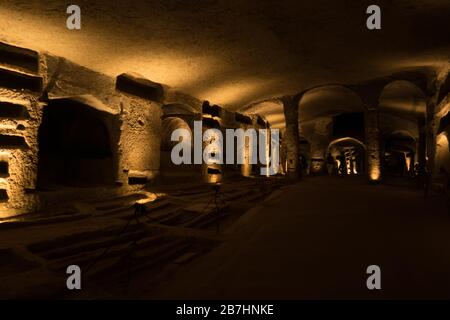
[[169, 170], [77, 144], [331, 111], [399, 150], [346, 156], [442, 160]]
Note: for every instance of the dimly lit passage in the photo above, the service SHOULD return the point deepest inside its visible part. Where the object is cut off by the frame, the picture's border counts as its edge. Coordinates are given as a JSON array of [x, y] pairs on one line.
[[224, 149]]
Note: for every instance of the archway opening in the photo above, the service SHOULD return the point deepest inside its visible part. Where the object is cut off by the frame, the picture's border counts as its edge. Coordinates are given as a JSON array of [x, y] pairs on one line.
[[169, 169], [399, 152], [75, 146], [346, 157]]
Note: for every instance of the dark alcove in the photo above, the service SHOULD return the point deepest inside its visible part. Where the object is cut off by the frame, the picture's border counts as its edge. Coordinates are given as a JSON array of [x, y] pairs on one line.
[[74, 146]]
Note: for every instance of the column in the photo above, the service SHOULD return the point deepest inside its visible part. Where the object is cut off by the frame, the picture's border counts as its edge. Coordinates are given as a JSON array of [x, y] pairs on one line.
[[372, 140], [431, 129], [421, 151], [291, 137]]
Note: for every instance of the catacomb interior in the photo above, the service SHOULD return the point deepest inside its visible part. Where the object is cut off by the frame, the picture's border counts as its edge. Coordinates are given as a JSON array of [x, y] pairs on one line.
[[87, 175]]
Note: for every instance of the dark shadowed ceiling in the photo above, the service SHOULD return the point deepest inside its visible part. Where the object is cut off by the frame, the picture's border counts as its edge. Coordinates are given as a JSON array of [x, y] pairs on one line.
[[235, 52]]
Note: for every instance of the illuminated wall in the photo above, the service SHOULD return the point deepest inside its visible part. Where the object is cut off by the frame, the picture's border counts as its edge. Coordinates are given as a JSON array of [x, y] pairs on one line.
[[29, 80], [372, 140], [20, 88], [442, 159]]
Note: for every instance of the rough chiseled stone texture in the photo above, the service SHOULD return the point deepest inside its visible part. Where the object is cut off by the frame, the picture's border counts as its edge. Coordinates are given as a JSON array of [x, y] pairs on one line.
[[372, 140], [140, 136], [134, 135], [22, 162]]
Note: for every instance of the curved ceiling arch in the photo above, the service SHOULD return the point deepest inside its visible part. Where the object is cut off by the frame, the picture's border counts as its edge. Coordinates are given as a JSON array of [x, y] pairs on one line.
[[402, 97], [401, 135], [328, 100], [344, 140], [271, 110], [168, 126], [178, 108]]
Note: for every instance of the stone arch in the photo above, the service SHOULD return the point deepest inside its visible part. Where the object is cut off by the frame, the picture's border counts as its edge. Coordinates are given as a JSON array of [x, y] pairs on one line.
[[328, 100], [270, 110], [347, 139], [169, 125], [442, 160], [322, 111], [178, 109], [403, 133], [402, 97], [346, 156], [169, 170], [399, 152]]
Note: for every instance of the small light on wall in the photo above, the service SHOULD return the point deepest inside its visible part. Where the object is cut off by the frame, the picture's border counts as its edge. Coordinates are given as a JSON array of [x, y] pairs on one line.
[[374, 174]]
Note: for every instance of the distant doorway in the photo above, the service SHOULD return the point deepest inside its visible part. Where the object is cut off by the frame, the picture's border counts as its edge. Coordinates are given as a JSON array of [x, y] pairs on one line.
[[347, 156], [399, 151]]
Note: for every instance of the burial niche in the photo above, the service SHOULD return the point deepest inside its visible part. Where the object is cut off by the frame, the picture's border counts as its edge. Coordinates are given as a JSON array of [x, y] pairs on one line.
[[75, 145]]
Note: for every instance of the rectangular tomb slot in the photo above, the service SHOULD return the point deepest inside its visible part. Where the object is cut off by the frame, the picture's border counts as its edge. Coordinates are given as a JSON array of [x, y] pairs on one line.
[[4, 169], [214, 171], [18, 80], [137, 180], [20, 58], [13, 110], [12, 142], [139, 86], [3, 195]]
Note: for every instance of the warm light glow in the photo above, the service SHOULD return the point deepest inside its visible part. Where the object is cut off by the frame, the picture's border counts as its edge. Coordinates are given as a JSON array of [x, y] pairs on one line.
[[150, 197], [233, 92], [271, 110], [154, 60], [375, 174], [442, 152], [8, 212], [246, 167], [408, 163], [267, 148]]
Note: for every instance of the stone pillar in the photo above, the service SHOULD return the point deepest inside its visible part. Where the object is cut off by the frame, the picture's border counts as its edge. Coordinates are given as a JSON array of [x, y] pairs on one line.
[[246, 167], [291, 137], [430, 127], [421, 150], [372, 140]]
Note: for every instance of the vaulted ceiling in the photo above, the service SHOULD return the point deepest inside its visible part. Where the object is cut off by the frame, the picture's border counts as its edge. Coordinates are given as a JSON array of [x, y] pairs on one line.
[[238, 52]]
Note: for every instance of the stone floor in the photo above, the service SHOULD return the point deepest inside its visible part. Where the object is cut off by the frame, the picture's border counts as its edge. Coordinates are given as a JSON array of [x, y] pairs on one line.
[[114, 245], [310, 240], [315, 239]]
